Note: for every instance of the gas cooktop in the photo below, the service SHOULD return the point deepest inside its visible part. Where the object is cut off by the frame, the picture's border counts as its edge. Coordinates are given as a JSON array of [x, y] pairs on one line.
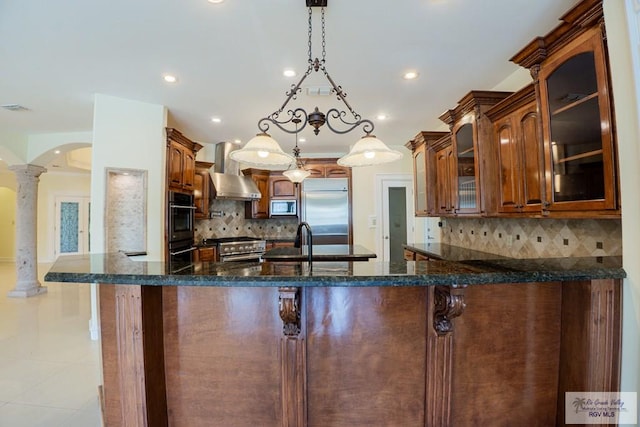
[[238, 239]]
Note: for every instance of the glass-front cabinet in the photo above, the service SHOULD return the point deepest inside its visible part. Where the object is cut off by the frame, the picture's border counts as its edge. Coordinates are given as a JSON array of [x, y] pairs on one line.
[[580, 158], [467, 177]]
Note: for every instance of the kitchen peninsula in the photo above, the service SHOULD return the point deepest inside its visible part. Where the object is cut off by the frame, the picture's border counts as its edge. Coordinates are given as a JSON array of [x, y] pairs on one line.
[[435, 343]]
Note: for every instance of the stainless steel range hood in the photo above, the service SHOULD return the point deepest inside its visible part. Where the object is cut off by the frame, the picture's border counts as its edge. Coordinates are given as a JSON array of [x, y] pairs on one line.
[[227, 183]]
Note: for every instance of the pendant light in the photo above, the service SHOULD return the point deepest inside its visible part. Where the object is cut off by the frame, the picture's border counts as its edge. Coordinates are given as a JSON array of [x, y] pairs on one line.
[[298, 174]]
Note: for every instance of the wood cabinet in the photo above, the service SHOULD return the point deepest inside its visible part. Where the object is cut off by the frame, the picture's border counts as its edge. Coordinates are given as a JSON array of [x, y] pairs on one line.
[[473, 152], [424, 172], [181, 161], [520, 171], [281, 187], [258, 209], [202, 189], [206, 254], [325, 168], [570, 71], [446, 176]]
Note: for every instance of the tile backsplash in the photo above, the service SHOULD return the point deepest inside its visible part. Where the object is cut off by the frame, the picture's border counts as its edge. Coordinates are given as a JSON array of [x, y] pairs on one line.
[[533, 238], [232, 223]]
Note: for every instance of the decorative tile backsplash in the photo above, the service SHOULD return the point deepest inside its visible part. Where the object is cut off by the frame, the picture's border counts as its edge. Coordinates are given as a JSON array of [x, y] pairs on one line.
[[232, 223], [533, 238]]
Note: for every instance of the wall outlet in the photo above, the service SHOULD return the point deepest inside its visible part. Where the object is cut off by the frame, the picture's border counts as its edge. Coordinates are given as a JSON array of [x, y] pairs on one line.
[[509, 239], [279, 229]]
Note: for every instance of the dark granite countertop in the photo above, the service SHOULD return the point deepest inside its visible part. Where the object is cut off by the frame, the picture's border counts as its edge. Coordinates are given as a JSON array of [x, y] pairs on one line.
[[117, 268], [450, 253], [320, 253]]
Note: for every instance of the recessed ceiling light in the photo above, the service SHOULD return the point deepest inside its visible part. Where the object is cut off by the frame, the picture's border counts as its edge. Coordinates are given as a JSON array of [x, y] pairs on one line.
[[381, 117], [169, 78], [237, 141], [289, 72], [302, 140], [216, 119], [56, 152], [410, 75], [215, 1]]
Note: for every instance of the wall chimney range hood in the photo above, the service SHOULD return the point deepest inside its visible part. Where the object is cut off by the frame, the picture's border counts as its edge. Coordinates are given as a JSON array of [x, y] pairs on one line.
[[226, 180]]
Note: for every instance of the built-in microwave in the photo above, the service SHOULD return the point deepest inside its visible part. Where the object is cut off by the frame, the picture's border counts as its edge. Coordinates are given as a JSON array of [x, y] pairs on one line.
[[284, 207]]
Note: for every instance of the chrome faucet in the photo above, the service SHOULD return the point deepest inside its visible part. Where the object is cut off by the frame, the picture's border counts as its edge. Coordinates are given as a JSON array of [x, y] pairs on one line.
[[309, 239]]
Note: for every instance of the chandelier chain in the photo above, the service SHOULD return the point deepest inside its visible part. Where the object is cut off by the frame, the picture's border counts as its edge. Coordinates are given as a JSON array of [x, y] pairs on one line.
[[324, 44], [309, 33]]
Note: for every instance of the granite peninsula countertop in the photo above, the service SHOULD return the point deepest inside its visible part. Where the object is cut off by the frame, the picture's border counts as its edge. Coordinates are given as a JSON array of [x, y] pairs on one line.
[[446, 252], [320, 253], [117, 268]]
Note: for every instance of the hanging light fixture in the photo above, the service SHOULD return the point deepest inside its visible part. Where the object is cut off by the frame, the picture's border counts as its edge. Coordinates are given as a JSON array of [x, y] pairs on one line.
[[298, 174], [264, 150]]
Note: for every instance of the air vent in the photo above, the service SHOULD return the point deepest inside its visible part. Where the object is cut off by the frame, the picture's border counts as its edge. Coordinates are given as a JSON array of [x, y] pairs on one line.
[[14, 107], [319, 90]]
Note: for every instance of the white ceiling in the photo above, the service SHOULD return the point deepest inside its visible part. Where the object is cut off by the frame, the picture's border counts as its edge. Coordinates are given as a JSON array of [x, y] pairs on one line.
[[229, 58]]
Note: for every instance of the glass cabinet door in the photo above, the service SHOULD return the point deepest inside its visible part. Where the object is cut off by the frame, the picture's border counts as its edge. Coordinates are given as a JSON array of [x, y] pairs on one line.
[[576, 141], [578, 138], [467, 177]]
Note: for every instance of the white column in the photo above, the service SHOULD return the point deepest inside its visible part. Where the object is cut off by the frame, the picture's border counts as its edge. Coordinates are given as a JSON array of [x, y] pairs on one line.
[[26, 231]]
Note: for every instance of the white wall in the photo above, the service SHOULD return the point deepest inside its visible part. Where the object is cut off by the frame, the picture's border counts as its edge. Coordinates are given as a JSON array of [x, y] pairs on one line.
[[623, 38], [7, 224], [129, 134]]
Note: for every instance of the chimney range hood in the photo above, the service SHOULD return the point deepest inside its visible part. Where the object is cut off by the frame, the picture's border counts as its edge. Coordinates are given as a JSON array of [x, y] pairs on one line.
[[227, 183]]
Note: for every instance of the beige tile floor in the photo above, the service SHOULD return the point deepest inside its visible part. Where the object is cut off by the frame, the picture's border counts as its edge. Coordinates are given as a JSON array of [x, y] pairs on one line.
[[49, 368]]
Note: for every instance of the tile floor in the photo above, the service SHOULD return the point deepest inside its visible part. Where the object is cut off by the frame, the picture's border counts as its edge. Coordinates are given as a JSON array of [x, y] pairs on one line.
[[49, 368]]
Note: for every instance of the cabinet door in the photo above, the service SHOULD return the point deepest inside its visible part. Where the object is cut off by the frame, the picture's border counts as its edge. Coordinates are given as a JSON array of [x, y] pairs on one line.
[[189, 169], [201, 193], [508, 157], [420, 180], [577, 122], [260, 208], [336, 171], [529, 147], [444, 167], [317, 170], [466, 190], [176, 165], [282, 188]]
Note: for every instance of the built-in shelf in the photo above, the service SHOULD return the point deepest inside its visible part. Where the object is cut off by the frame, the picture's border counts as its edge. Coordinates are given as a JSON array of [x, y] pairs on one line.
[[574, 104], [580, 156]]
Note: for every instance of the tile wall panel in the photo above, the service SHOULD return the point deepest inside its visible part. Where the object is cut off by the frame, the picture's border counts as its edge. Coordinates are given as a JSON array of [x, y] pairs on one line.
[[535, 238]]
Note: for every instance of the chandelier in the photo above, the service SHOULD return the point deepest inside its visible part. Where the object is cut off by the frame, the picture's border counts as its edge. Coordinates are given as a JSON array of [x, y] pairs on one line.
[[263, 150]]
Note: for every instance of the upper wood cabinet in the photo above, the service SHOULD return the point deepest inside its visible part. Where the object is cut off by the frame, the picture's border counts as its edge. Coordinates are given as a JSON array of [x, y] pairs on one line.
[[202, 189], [181, 161], [424, 171], [473, 152], [281, 187], [325, 168], [520, 171], [258, 209], [570, 71]]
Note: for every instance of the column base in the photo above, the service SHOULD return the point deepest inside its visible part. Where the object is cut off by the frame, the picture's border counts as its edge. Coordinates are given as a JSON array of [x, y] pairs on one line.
[[25, 293]]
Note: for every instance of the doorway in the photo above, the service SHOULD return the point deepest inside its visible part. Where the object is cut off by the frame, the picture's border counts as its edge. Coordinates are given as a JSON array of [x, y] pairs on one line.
[[71, 226], [396, 215]]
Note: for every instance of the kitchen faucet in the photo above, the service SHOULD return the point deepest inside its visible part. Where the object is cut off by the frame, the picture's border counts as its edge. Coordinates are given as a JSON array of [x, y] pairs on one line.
[[309, 239]]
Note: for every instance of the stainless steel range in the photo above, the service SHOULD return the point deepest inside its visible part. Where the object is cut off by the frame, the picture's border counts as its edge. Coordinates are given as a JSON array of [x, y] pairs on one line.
[[238, 248]]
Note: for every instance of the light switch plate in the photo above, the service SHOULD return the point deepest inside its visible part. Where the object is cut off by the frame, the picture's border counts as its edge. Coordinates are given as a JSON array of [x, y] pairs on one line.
[[373, 221]]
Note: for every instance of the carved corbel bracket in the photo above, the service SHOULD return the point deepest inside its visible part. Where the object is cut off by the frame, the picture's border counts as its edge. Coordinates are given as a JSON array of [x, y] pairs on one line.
[[448, 304], [289, 308]]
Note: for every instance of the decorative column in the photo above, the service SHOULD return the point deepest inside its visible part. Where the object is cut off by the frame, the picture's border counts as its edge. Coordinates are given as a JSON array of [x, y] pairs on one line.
[[26, 231]]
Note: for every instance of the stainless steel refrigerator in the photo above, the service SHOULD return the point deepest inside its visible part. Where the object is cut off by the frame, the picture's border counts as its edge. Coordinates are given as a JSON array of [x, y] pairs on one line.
[[325, 207]]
